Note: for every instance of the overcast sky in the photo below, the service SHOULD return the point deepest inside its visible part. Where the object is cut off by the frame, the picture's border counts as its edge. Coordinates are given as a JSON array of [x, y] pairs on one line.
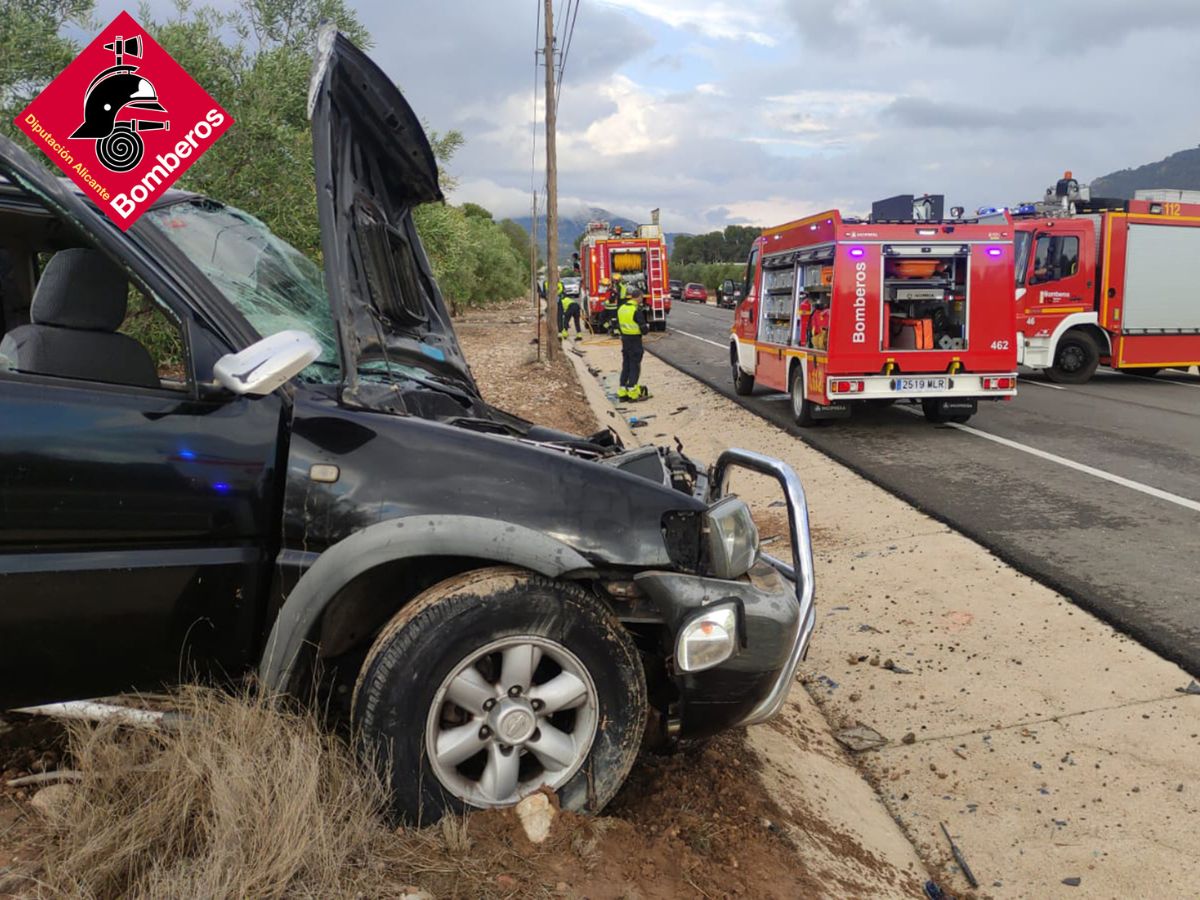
[[760, 112]]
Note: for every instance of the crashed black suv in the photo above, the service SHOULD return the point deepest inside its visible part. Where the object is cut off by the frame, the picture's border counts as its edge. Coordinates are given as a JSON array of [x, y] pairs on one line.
[[292, 472]]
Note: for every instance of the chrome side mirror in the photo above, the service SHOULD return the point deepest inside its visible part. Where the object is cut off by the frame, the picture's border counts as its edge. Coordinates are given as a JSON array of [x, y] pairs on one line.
[[266, 364]]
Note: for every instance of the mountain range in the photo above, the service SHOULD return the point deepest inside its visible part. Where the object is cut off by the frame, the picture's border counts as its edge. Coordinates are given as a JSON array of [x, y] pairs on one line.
[[573, 224], [1180, 171]]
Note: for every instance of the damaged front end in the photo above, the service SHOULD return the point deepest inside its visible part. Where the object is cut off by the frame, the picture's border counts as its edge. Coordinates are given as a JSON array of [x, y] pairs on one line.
[[734, 621]]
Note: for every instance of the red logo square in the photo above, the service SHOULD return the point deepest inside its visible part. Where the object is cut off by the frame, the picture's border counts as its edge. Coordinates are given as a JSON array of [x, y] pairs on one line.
[[124, 120]]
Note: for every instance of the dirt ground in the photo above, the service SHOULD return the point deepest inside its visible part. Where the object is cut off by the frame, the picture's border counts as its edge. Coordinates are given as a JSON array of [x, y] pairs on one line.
[[498, 343]]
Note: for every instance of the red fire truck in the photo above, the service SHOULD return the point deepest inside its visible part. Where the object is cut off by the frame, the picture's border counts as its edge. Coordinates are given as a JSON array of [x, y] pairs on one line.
[[1107, 281], [641, 258], [904, 305]]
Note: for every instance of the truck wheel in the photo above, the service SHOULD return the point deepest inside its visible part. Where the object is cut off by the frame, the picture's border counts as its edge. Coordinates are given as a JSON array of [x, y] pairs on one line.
[[1075, 360], [743, 383], [659, 326], [494, 684], [801, 405], [933, 413]]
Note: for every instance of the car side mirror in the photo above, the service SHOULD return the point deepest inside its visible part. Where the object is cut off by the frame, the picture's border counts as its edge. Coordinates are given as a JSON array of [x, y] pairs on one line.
[[266, 364]]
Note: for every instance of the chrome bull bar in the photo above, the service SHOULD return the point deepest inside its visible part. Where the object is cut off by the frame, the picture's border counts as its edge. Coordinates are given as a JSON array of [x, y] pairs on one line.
[[800, 572]]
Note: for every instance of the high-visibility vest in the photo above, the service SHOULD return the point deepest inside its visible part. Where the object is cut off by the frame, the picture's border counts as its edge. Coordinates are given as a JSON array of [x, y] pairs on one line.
[[566, 301], [616, 294], [625, 318]]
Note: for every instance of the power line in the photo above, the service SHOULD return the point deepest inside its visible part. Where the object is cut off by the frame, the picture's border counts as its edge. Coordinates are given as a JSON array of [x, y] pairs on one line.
[[562, 65], [533, 119]]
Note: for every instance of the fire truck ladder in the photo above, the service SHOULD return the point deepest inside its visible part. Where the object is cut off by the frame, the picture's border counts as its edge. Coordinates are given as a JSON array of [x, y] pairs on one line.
[[654, 278]]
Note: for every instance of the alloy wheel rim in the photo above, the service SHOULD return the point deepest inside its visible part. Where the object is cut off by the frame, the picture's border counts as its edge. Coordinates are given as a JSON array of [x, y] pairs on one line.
[[511, 717]]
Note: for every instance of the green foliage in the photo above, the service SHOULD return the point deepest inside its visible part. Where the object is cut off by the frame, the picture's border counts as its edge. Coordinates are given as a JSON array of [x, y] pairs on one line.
[[730, 245], [33, 51], [475, 211], [147, 323], [255, 59], [708, 274]]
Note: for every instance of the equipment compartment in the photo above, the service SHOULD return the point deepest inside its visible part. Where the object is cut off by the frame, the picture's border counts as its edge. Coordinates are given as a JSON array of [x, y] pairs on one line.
[[925, 297]]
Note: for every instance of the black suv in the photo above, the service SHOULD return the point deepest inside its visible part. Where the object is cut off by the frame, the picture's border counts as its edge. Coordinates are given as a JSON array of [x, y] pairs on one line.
[[675, 289], [312, 489]]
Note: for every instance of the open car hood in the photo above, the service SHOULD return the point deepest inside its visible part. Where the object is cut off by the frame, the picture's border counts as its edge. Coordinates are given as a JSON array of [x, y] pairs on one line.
[[373, 166]]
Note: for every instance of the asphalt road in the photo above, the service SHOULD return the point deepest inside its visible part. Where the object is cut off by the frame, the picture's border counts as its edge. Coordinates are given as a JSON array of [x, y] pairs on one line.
[[1093, 490]]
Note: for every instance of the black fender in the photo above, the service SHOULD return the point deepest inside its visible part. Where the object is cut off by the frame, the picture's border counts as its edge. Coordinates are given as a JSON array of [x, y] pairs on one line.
[[404, 538]]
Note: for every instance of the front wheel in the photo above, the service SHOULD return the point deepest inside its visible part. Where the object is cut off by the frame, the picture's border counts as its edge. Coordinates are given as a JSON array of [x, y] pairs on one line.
[[743, 382], [801, 405], [495, 684], [1075, 359]]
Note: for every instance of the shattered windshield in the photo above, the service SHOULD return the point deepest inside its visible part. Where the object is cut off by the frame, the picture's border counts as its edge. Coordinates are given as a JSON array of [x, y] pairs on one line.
[[274, 285]]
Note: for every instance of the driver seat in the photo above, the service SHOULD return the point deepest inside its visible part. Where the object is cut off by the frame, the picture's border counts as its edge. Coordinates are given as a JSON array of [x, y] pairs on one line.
[[78, 305]]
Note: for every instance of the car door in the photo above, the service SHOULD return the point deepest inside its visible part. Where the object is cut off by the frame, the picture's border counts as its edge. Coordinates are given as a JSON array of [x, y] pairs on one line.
[[135, 522], [1058, 279]]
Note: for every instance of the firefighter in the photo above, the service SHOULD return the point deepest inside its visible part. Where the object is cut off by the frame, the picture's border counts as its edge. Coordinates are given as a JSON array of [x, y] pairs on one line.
[[568, 311], [612, 303], [631, 323]]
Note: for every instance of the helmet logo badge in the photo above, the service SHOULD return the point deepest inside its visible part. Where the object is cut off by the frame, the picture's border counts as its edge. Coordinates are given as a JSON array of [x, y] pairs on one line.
[[119, 146]]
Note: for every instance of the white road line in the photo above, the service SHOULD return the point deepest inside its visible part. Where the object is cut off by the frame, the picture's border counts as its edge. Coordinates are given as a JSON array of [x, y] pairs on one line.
[[1056, 387], [698, 338], [1080, 467]]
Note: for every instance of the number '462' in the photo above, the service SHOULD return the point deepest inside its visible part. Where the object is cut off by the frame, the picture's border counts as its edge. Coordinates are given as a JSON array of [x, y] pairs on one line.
[[999, 345]]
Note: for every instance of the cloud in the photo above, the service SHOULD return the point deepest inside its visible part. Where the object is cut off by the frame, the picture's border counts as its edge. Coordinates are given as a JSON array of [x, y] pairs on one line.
[[923, 112], [1062, 26], [710, 18]]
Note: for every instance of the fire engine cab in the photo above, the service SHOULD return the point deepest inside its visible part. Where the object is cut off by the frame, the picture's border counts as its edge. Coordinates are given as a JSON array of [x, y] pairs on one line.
[[905, 305], [640, 257], [1107, 281]]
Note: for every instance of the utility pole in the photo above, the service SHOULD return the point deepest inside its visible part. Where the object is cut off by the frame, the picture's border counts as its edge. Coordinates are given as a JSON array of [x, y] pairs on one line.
[[550, 333], [537, 300]]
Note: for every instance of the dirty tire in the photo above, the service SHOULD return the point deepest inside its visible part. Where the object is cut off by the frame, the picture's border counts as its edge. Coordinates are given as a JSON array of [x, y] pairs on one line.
[[801, 406], [937, 417], [1075, 358], [426, 640], [743, 382]]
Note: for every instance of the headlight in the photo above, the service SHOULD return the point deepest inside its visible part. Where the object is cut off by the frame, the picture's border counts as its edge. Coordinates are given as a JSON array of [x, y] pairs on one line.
[[732, 538], [707, 640]]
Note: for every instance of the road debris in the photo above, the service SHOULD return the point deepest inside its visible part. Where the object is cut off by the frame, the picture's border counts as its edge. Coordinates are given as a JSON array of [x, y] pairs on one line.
[[1192, 688], [536, 813], [959, 858], [1073, 881], [860, 738]]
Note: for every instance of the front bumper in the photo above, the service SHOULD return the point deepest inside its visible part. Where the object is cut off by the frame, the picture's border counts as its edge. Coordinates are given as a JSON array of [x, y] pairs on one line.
[[775, 616]]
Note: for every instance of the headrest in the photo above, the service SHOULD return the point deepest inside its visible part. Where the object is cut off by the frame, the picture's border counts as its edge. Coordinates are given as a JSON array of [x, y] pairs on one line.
[[80, 289]]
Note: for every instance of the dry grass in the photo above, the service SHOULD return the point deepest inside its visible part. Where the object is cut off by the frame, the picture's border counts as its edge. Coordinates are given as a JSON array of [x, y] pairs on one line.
[[242, 800]]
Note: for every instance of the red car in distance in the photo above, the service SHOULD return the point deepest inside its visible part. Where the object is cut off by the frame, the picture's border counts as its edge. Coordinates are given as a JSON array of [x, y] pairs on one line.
[[693, 291]]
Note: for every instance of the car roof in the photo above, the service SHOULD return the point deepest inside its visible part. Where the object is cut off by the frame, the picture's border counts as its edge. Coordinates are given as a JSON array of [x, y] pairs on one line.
[[169, 196]]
